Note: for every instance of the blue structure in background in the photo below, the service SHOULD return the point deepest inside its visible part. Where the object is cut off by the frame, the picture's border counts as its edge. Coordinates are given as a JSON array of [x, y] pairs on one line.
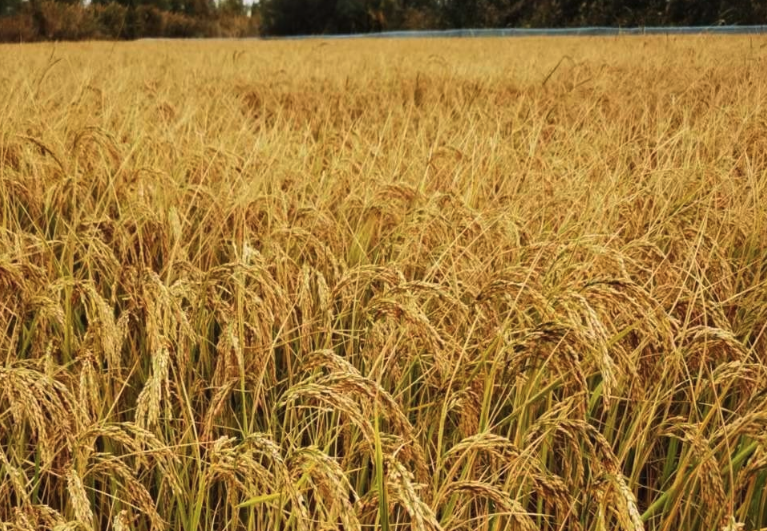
[[524, 32]]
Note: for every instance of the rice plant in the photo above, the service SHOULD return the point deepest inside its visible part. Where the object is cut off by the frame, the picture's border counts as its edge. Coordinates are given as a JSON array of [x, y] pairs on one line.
[[503, 284]]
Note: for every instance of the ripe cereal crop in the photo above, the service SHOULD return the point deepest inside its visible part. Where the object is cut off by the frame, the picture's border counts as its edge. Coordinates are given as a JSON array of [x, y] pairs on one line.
[[468, 284]]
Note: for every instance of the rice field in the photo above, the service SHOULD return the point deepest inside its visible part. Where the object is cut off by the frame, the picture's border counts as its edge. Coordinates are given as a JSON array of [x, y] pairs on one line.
[[482, 284]]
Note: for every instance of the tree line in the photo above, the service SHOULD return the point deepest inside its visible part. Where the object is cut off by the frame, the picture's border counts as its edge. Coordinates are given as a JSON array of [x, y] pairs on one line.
[[31, 20], [126, 19], [285, 17]]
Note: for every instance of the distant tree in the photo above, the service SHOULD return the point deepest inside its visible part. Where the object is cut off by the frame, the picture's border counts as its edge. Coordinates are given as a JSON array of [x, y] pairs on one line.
[[296, 17], [368, 15], [385, 14], [692, 12], [9, 7], [286, 17], [600, 12], [493, 13], [463, 13], [38, 18], [163, 5], [200, 8], [351, 16], [641, 13], [232, 7], [290, 17]]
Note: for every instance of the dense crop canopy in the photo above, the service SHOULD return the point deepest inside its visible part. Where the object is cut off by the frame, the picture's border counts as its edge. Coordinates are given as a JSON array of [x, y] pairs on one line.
[[460, 285]]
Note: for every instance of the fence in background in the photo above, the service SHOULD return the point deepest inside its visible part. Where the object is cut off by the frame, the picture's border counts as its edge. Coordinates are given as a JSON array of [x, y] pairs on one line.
[[520, 32]]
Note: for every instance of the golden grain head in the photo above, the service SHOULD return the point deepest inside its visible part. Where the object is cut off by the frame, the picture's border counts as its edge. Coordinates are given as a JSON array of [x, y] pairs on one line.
[[384, 284]]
